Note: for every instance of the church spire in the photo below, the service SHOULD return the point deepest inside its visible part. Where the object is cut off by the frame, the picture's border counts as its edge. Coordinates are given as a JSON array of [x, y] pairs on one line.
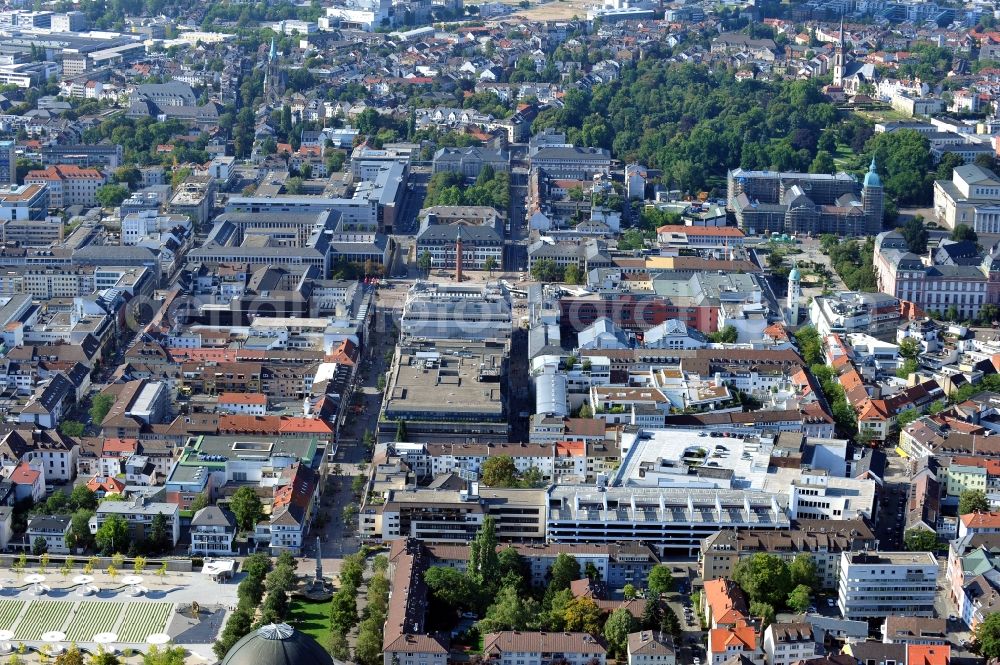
[[273, 55], [841, 30]]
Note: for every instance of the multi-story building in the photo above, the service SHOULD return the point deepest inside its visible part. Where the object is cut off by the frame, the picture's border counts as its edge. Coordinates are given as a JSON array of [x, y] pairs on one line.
[[529, 648], [649, 648], [881, 584], [971, 197], [806, 203], [456, 312], [572, 162], [469, 162], [789, 643], [105, 155], [472, 234], [963, 289], [853, 311], [33, 232], [821, 540], [68, 184], [53, 529], [24, 202], [139, 513], [8, 163]]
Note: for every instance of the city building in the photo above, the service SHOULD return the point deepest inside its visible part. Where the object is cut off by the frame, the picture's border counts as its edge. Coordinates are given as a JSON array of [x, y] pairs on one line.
[[650, 648], [461, 237], [789, 643], [53, 529], [855, 312], [469, 162], [104, 155], [882, 584], [68, 185], [771, 201], [971, 197], [22, 202], [537, 648], [140, 514], [456, 312]]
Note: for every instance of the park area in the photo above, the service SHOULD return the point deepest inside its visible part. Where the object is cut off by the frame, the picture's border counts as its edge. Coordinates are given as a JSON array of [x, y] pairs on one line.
[[312, 618]]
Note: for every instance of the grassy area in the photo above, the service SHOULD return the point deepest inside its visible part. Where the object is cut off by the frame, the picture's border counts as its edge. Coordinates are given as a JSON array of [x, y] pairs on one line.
[[311, 618]]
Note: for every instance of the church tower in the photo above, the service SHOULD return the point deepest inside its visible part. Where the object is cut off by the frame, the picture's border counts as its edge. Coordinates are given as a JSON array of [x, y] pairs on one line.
[[273, 88], [838, 57], [873, 199], [794, 295]]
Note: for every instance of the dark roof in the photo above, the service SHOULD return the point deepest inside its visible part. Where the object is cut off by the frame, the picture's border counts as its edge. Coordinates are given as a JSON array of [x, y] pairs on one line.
[[213, 516], [277, 644]]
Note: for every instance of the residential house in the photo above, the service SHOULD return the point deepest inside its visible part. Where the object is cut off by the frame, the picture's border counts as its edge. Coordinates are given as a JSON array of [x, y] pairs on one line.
[[649, 648], [788, 643], [521, 647], [140, 514], [741, 639], [53, 529], [213, 530]]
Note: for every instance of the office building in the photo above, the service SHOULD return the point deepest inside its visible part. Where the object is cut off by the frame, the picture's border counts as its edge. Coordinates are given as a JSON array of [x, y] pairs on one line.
[[107, 156], [68, 185], [882, 584], [971, 197], [456, 312]]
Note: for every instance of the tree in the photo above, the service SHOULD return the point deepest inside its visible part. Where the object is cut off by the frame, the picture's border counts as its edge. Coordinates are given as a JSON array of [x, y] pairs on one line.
[[909, 349], [451, 587], [82, 497], [79, 536], [499, 471], [509, 612], [915, 234], [200, 501], [583, 615], [660, 580], [484, 562], [652, 614], [100, 406], [670, 624], [617, 628], [39, 546], [103, 657], [987, 636], [368, 649], [571, 274], [920, 540], [803, 571], [72, 428], [565, 569], [247, 508], [799, 599], [159, 538], [138, 564], [111, 196], [113, 535], [763, 610], [401, 434], [631, 239], [72, 656], [513, 568], [490, 264], [973, 501], [964, 232], [765, 578], [425, 262], [546, 270], [823, 163], [728, 335], [129, 175], [338, 646], [165, 656]]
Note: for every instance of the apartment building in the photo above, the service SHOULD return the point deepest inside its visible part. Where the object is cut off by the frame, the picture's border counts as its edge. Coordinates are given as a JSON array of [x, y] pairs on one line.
[[541, 648], [789, 643], [649, 648], [68, 184], [139, 513], [24, 202], [106, 155], [883, 584]]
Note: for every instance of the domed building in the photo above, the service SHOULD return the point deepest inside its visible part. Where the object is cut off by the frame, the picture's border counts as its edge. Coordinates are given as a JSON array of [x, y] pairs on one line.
[[277, 644]]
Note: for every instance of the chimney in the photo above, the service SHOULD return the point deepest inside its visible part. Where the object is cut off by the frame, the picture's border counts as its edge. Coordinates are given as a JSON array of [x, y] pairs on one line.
[[458, 256]]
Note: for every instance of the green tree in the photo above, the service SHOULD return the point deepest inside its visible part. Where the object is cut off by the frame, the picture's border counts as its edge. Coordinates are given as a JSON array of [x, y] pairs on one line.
[[368, 649], [72, 428], [128, 175], [401, 434], [728, 335], [964, 232], [100, 406], [338, 646], [200, 501], [809, 344], [920, 540], [103, 657], [617, 628], [915, 234], [765, 578], [631, 239], [164, 656], [111, 196], [247, 508], [987, 636], [490, 264], [799, 599], [509, 612], [39, 546], [513, 570], [72, 656], [425, 262], [652, 614], [630, 592], [571, 274], [823, 163], [803, 571], [765, 611], [113, 535], [565, 569], [660, 580], [484, 562], [79, 536], [451, 586], [546, 270], [159, 537], [82, 497], [909, 349], [973, 501], [499, 471]]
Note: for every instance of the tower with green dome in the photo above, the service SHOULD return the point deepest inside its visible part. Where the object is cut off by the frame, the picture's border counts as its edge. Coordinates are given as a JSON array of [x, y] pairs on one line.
[[873, 199]]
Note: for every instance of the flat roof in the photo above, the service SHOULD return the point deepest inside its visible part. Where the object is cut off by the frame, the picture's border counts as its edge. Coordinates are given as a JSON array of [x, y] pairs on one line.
[[437, 382]]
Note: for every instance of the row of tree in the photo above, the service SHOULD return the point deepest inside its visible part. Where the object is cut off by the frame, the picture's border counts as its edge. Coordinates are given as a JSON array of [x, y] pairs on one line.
[[491, 188], [277, 581]]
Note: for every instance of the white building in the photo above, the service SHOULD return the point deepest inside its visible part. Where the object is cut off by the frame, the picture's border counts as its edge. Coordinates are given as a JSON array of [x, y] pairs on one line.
[[53, 529], [212, 532], [882, 584], [139, 513], [788, 643], [137, 226], [971, 197], [253, 404], [649, 648]]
